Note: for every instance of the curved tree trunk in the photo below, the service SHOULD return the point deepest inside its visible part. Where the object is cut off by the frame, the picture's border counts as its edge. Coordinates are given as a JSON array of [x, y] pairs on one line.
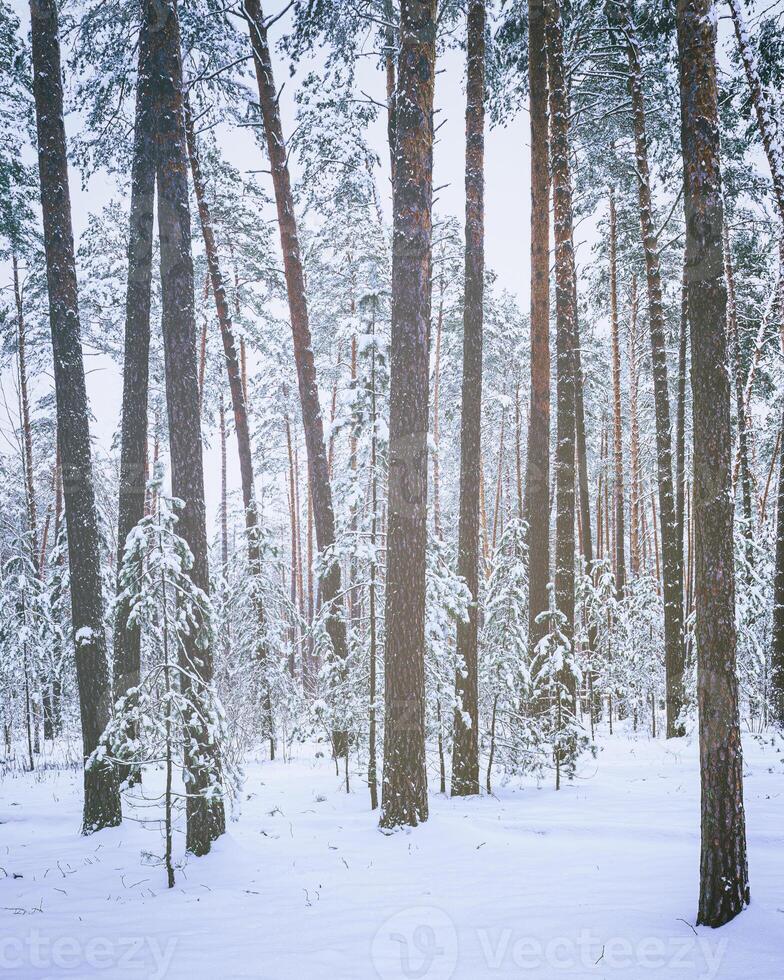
[[101, 796], [239, 403], [465, 752], [404, 784], [618, 15], [724, 887], [537, 464], [318, 473], [205, 816]]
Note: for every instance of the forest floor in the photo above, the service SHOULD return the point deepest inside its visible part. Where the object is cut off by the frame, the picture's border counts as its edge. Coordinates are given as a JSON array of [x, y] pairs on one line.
[[598, 880]]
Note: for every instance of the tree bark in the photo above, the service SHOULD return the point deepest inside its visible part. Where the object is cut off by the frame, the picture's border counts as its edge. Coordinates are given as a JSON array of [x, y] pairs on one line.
[[537, 463], [239, 402], [465, 751], [205, 815], [619, 16], [634, 439], [740, 404], [27, 432], [565, 320], [680, 437], [133, 436], [620, 531], [318, 473], [777, 639], [404, 784], [101, 796], [724, 887]]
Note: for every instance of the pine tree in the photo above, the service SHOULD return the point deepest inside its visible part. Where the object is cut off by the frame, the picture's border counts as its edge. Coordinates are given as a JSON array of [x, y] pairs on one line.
[[724, 888], [101, 797], [465, 756], [537, 467], [404, 787], [565, 320], [318, 473], [205, 814], [133, 437]]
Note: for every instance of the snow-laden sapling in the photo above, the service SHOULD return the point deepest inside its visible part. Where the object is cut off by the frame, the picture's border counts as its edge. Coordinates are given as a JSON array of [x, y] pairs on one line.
[[555, 676], [154, 724]]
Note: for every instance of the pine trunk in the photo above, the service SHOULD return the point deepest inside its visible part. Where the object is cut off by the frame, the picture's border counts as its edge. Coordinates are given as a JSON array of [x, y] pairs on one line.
[[740, 406], [777, 639], [565, 319], [235, 368], [537, 464], [404, 785], [620, 531], [101, 796], [634, 440], [205, 816], [318, 473], [618, 15], [465, 751], [724, 887], [133, 436]]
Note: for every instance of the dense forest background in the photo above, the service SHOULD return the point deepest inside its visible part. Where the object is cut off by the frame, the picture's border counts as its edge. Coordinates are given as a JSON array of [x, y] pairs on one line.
[[450, 488]]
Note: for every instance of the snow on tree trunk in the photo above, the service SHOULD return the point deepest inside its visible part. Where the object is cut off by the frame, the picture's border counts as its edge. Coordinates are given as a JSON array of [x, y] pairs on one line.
[[724, 888], [404, 783], [465, 752], [101, 796]]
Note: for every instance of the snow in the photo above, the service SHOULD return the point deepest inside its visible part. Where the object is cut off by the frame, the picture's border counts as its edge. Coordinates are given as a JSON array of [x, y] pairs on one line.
[[598, 880]]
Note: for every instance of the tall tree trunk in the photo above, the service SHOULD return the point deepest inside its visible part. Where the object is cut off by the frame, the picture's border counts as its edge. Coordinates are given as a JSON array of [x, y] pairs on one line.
[[404, 789], [634, 439], [235, 368], [437, 413], [583, 491], [537, 463], [373, 640], [740, 405], [620, 532], [724, 887], [318, 473], [680, 436], [101, 796], [465, 751], [565, 320], [133, 436], [27, 432], [618, 15], [777, 639], [205, 815]]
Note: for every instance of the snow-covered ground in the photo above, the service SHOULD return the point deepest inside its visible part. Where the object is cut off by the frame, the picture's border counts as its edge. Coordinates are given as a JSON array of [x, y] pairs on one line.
[[598, 880]]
